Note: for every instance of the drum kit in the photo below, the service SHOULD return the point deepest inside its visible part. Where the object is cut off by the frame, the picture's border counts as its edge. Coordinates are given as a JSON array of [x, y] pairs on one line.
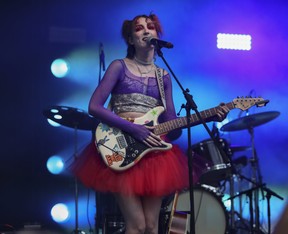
[[211, 215]]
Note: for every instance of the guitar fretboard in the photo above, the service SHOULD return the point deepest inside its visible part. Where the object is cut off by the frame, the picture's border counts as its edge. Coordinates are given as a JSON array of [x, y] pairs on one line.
[[181, 122]]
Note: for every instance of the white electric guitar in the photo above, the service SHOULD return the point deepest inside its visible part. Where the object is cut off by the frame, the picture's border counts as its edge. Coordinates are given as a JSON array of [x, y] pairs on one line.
[[120, 151]]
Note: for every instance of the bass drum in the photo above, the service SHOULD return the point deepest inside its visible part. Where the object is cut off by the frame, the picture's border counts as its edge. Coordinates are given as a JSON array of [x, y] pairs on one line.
[[210, 213]]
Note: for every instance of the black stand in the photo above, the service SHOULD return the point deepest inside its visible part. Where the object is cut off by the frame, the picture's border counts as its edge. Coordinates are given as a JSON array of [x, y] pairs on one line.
[[190, 104], [254, 228], [76, 230], [270, 193], [101, 62]]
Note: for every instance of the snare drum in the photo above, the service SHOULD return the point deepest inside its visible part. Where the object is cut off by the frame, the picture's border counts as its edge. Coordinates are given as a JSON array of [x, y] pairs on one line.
[[216, 169], [209, 211]]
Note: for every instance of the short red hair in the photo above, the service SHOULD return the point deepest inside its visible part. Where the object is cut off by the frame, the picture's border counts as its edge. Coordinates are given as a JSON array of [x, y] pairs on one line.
[[128, 27]]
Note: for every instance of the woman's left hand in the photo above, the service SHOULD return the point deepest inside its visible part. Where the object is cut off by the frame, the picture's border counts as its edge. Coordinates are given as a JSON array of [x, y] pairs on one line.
[[222, 112]]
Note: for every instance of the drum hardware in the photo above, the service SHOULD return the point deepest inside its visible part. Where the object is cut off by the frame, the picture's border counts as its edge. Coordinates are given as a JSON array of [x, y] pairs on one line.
[[114, 224], [71, 117], [217, 168], [248, 123], [238, 148], [76, 119], [240, 162], [108, 217], [249, 193]]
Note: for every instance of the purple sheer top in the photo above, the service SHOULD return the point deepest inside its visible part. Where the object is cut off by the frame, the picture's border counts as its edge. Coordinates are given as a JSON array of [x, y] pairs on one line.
[[140, 94]]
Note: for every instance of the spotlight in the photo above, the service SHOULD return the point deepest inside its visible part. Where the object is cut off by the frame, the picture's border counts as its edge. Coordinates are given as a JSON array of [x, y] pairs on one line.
[[226, 201], [55, 164], [60, 68], [60, 213], [234, 41]]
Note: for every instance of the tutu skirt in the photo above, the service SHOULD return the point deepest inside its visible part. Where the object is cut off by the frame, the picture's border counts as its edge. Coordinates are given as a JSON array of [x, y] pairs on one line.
[[158, 173]]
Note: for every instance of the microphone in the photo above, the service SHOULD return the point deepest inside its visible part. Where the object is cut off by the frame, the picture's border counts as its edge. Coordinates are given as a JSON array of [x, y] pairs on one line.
[[160, 43], [102, 56]]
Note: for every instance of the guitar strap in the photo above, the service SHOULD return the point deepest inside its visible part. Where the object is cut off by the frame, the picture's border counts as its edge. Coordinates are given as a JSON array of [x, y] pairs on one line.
[[159, 76]]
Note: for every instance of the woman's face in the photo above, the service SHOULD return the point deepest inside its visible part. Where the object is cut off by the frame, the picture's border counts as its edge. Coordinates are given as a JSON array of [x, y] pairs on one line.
[[143, 30]]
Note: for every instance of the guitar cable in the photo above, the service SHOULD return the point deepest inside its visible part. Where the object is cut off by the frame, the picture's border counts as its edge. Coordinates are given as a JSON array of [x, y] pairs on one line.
[[114, 151]]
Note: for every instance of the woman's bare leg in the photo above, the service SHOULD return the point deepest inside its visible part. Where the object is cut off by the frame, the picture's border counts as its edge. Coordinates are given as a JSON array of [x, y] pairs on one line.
[[141, 214], [151, 207], [132, 211]]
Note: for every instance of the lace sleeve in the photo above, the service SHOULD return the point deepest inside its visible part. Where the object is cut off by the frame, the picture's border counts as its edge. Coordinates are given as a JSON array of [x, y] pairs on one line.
[[170, 108], [96, 105], [170, 112]]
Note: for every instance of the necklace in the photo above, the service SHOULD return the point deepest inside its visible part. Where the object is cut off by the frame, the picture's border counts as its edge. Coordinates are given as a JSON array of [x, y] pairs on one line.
[[143, 62], [145, 72]]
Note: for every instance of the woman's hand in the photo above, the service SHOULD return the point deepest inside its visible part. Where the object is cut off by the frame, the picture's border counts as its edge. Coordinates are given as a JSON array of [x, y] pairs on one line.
[[222, 111], [144, 134]]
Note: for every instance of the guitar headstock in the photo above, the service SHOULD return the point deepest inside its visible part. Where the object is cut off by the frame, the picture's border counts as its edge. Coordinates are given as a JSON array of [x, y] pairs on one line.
[[245, 103]]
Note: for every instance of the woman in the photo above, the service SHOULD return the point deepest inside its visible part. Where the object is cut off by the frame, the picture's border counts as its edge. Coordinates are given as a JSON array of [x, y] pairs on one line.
[[134, 91]]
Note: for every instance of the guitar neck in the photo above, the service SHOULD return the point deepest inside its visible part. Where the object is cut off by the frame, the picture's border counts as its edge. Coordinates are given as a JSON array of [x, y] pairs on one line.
[[181, 122]]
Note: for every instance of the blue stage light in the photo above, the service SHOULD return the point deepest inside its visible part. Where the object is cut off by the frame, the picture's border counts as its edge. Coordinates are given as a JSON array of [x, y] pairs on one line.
[[55, 165], [60, 213], [60, 68]]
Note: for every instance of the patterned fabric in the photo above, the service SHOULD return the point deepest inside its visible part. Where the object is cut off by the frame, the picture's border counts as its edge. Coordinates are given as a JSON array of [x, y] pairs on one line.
[[128, 83], [133, 102]]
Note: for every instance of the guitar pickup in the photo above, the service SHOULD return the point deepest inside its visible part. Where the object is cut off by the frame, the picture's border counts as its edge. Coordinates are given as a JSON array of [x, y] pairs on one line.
[[121, 141]]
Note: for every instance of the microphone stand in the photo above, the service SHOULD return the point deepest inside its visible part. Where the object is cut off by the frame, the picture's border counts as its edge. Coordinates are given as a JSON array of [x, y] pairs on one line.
[[101, 67], [101, 61], [269, 194], [190, 105]]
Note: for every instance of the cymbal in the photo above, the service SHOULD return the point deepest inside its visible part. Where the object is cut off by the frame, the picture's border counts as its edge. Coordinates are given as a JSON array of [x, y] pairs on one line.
[[250, 121], [237, 148], [71, 117]]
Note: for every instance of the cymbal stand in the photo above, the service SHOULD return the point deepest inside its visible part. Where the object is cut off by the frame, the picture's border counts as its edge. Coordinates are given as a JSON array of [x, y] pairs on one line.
[[234, 174], [249, 194], [232, 209], [270, 193], [255, 177]]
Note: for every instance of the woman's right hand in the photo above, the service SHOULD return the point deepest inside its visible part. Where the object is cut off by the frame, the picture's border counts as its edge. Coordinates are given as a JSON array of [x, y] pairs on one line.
[[144, 134]]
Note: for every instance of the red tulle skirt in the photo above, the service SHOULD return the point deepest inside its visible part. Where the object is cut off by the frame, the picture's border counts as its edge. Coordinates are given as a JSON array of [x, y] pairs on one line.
[[158, 173]]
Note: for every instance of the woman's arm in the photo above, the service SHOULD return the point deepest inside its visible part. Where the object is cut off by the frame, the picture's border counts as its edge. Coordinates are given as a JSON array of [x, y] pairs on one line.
[[100, 96]]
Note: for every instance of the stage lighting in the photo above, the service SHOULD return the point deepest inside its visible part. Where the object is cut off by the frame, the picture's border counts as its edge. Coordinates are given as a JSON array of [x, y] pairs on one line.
[[227, 201], [60, 68], [60, 213], [55, 165], [234, 41]]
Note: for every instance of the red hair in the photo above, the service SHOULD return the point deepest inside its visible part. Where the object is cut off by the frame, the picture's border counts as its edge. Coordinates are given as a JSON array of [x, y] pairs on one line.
[[128, 27]]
